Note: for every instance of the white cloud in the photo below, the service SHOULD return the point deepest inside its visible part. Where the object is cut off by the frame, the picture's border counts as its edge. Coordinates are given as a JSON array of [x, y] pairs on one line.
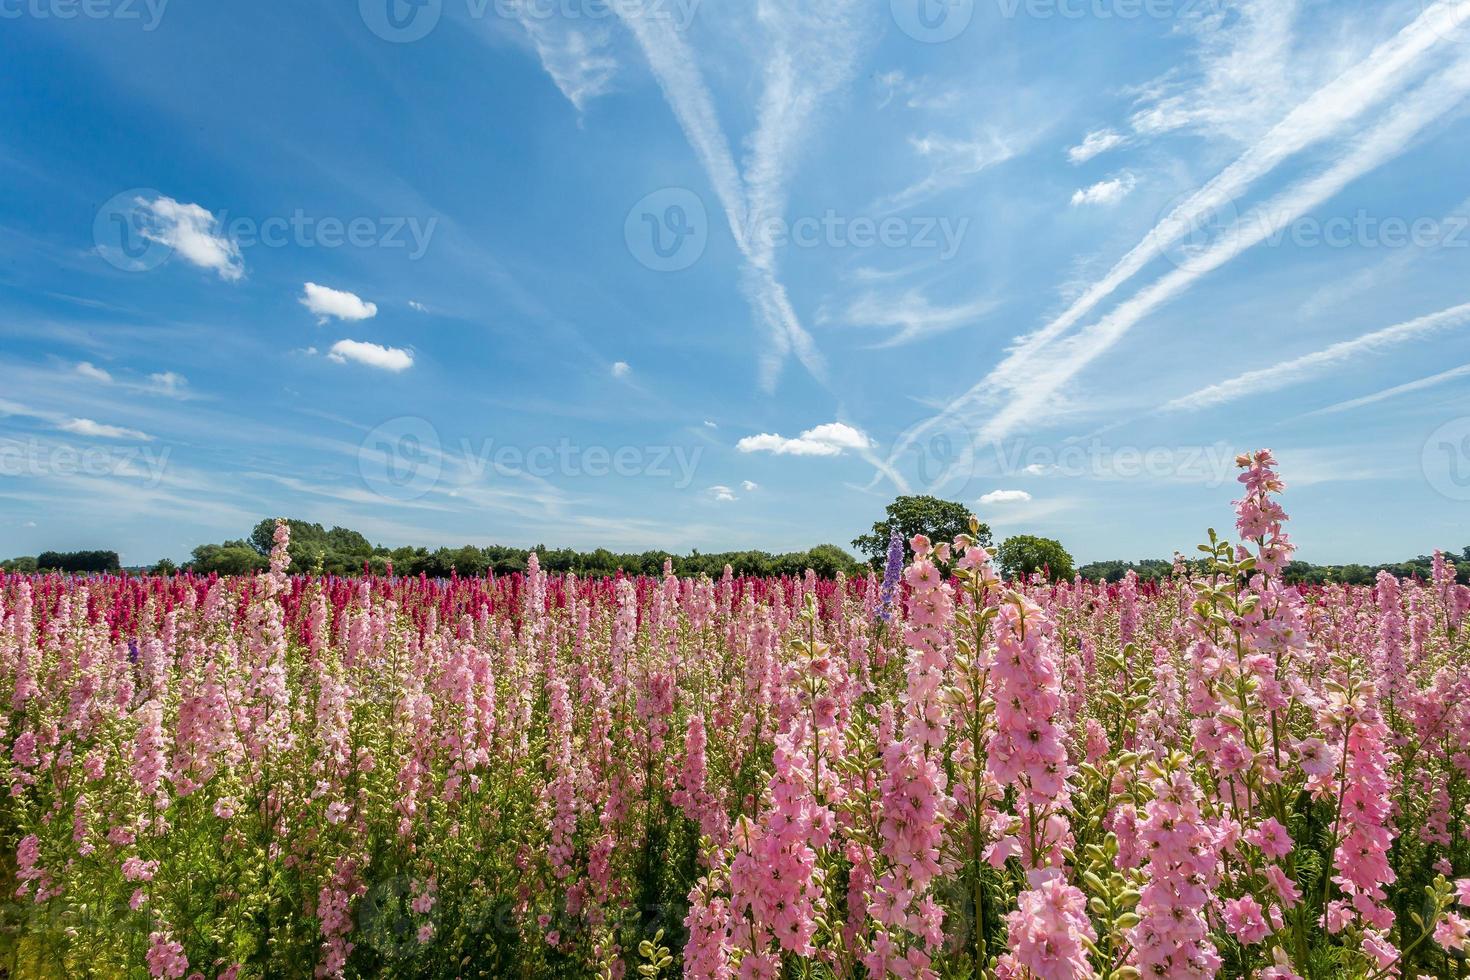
[[1006, 497], [1096, 142], [722, 493], [710, 425], [621, 369], [577, 57], [326, 302], [1106, 192], [952, 162], [1025, 383], [373, 355], [88, 370], [97, 430], [193, 233], [912, 315], [829, 439], [749, 486], [167, 383], [1286, 373], [414, 304], [1249, 69], [811, 53]]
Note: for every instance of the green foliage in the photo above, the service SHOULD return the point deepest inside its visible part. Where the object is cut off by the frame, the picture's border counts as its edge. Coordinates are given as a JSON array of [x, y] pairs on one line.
[[230, 558], [1148, 570], [342, 551], [939, 520], [1026, 554], [1296, 573], [78, 561]]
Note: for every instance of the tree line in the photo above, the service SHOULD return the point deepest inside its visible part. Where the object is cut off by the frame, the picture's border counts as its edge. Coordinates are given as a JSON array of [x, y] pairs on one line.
[[342, 551]]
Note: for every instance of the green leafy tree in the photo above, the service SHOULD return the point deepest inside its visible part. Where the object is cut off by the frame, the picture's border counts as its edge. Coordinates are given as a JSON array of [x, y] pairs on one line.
[[939, 520], [78, 561], [230, 558], [165, 566], [1025, 554]]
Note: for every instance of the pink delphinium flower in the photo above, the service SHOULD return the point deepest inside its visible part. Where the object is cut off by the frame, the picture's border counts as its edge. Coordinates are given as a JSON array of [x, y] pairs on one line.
[[166, 956], [1283, 886], [1271, 837], [1172, 938], [1244, 920], [1452, 931], [1361, 857], [1046, 934]]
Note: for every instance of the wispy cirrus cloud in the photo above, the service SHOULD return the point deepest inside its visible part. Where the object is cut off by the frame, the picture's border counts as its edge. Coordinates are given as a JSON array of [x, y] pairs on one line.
[[810, 51], [952, 162], [1298, 369], [100, 430], [1034, 374], [89, 370], [576, 54], [1096, 143], [1244, 76], [911, 315], [1033, 392], [1463, 371]]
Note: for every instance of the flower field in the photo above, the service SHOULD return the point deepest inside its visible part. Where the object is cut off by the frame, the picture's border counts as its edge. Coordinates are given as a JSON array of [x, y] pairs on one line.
[[927, 773]]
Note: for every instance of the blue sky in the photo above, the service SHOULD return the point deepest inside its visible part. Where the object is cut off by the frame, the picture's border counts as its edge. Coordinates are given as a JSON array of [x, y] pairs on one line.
[[697, 273]]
